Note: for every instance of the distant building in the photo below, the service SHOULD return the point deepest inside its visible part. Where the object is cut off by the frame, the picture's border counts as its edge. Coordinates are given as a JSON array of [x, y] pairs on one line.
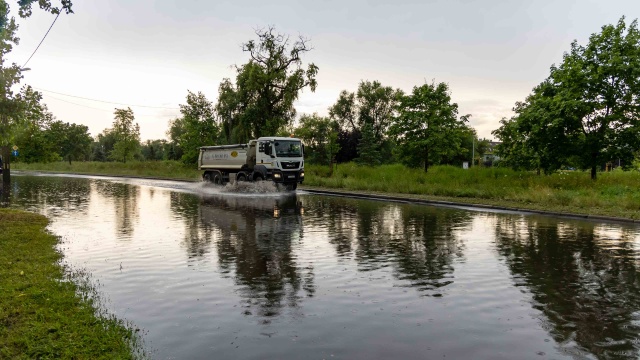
[[489, 157]]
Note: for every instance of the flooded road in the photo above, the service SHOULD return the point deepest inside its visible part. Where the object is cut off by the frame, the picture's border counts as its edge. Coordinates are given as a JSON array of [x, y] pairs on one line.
[[252, 273]]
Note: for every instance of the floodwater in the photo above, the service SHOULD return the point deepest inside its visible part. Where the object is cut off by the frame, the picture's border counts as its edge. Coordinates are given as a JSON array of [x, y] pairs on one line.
[[257, 274]]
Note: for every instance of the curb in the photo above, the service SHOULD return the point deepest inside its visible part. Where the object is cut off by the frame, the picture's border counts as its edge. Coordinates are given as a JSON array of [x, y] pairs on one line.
[[453, 204]]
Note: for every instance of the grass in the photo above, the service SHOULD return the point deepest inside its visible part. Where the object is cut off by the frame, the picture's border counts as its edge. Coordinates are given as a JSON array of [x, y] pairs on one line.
[[46, 311], [160, 169], [615, 193]]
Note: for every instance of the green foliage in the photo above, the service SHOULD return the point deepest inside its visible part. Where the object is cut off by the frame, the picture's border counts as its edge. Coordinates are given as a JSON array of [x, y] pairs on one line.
[[25, 7], [103, 146], [376, 106], [71, 141], [427, 130], [585, 112], [319, 134], [261, 101], [195, 128], [368, 147], [127, 136], [154, 150], [12, 108]]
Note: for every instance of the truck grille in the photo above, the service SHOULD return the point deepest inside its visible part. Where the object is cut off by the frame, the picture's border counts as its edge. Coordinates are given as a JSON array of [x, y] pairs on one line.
[[290, 164]]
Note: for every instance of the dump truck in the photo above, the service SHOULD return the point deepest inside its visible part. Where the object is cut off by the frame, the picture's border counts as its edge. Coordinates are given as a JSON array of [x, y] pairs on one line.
[[276, 159]]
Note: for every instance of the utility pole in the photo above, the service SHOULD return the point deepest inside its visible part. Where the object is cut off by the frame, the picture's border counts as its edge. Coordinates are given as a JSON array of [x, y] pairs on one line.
[[473, 149]]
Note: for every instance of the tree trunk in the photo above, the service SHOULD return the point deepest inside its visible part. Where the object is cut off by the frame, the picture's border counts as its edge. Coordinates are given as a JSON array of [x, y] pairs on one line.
[[6, 164], [426, 160], [593, 172]]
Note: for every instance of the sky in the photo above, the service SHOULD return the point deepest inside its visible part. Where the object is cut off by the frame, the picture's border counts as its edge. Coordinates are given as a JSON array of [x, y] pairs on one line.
[[147, 54]]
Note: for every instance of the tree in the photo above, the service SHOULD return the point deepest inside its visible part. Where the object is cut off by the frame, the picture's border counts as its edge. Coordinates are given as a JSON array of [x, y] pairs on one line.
[[376, 107], [371, 104], [11, 116], [261, 102], [127, 135], [103, 145], [195, 128], [345, 111], [319, 135], [586, 110], [154, 150], [427, 129], [30, 129], [368, 147], [72, 141], [600, 83]]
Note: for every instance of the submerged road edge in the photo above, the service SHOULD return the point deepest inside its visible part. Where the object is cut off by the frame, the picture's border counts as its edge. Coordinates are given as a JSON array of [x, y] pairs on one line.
[[373, 196]]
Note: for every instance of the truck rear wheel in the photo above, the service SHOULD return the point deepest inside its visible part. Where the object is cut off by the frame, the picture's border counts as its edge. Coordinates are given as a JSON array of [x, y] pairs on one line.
[[217, 178], [206, 177], [241, 177]]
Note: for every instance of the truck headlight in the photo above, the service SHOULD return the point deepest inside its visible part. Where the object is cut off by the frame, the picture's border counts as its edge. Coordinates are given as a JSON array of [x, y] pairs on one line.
[[301, 174], [276, 176]]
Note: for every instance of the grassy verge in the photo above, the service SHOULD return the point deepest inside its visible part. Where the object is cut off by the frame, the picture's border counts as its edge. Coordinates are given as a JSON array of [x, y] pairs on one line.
[[43, 314], [160, 169], [615, 194]]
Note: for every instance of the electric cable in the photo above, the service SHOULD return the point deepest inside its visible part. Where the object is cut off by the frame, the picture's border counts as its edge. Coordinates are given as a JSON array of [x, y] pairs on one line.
[[45, 36], [107, 102]]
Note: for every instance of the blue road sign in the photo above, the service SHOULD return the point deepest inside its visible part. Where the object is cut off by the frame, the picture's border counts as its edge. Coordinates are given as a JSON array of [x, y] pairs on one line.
[[14, 153]]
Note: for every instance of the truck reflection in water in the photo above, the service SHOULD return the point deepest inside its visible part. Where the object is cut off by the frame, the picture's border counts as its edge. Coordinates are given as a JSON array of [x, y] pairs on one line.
[[255, 243]]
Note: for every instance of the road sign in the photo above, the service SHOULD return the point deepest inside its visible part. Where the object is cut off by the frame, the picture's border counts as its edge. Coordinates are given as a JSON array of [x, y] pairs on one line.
[[14, 153], [15, 147]]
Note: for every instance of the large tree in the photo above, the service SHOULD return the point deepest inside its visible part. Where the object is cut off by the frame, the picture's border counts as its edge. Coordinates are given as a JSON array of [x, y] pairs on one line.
[[261, 101], [12, 118], [195, 128], [427, 128], [72, 141], [588, 108], [127, 135], [372, 105]]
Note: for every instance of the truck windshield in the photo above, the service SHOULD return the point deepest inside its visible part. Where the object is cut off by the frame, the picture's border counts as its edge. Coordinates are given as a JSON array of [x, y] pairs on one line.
[[285, 148]]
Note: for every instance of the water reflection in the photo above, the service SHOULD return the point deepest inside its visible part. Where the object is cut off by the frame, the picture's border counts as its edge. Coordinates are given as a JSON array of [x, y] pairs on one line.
[[584, 279], [125, 203], [420, 243], [255, 238], [57, 195], [276, 276]]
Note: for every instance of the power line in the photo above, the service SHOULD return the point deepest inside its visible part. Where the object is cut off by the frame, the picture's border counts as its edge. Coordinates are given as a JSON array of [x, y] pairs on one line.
[[45, 36], [106, 110], [107, 102]]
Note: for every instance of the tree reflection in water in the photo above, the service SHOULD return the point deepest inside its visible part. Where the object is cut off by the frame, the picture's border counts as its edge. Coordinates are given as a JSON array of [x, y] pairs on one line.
[[420, 243], [125, 203], [254, 241], [582, 277], [62, 194]]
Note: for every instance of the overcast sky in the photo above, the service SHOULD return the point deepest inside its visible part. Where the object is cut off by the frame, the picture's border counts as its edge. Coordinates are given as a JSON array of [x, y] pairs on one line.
[[143, 52]]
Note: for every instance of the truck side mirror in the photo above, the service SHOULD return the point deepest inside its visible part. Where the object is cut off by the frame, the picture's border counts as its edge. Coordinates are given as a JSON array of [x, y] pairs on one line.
[[267, 148]]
